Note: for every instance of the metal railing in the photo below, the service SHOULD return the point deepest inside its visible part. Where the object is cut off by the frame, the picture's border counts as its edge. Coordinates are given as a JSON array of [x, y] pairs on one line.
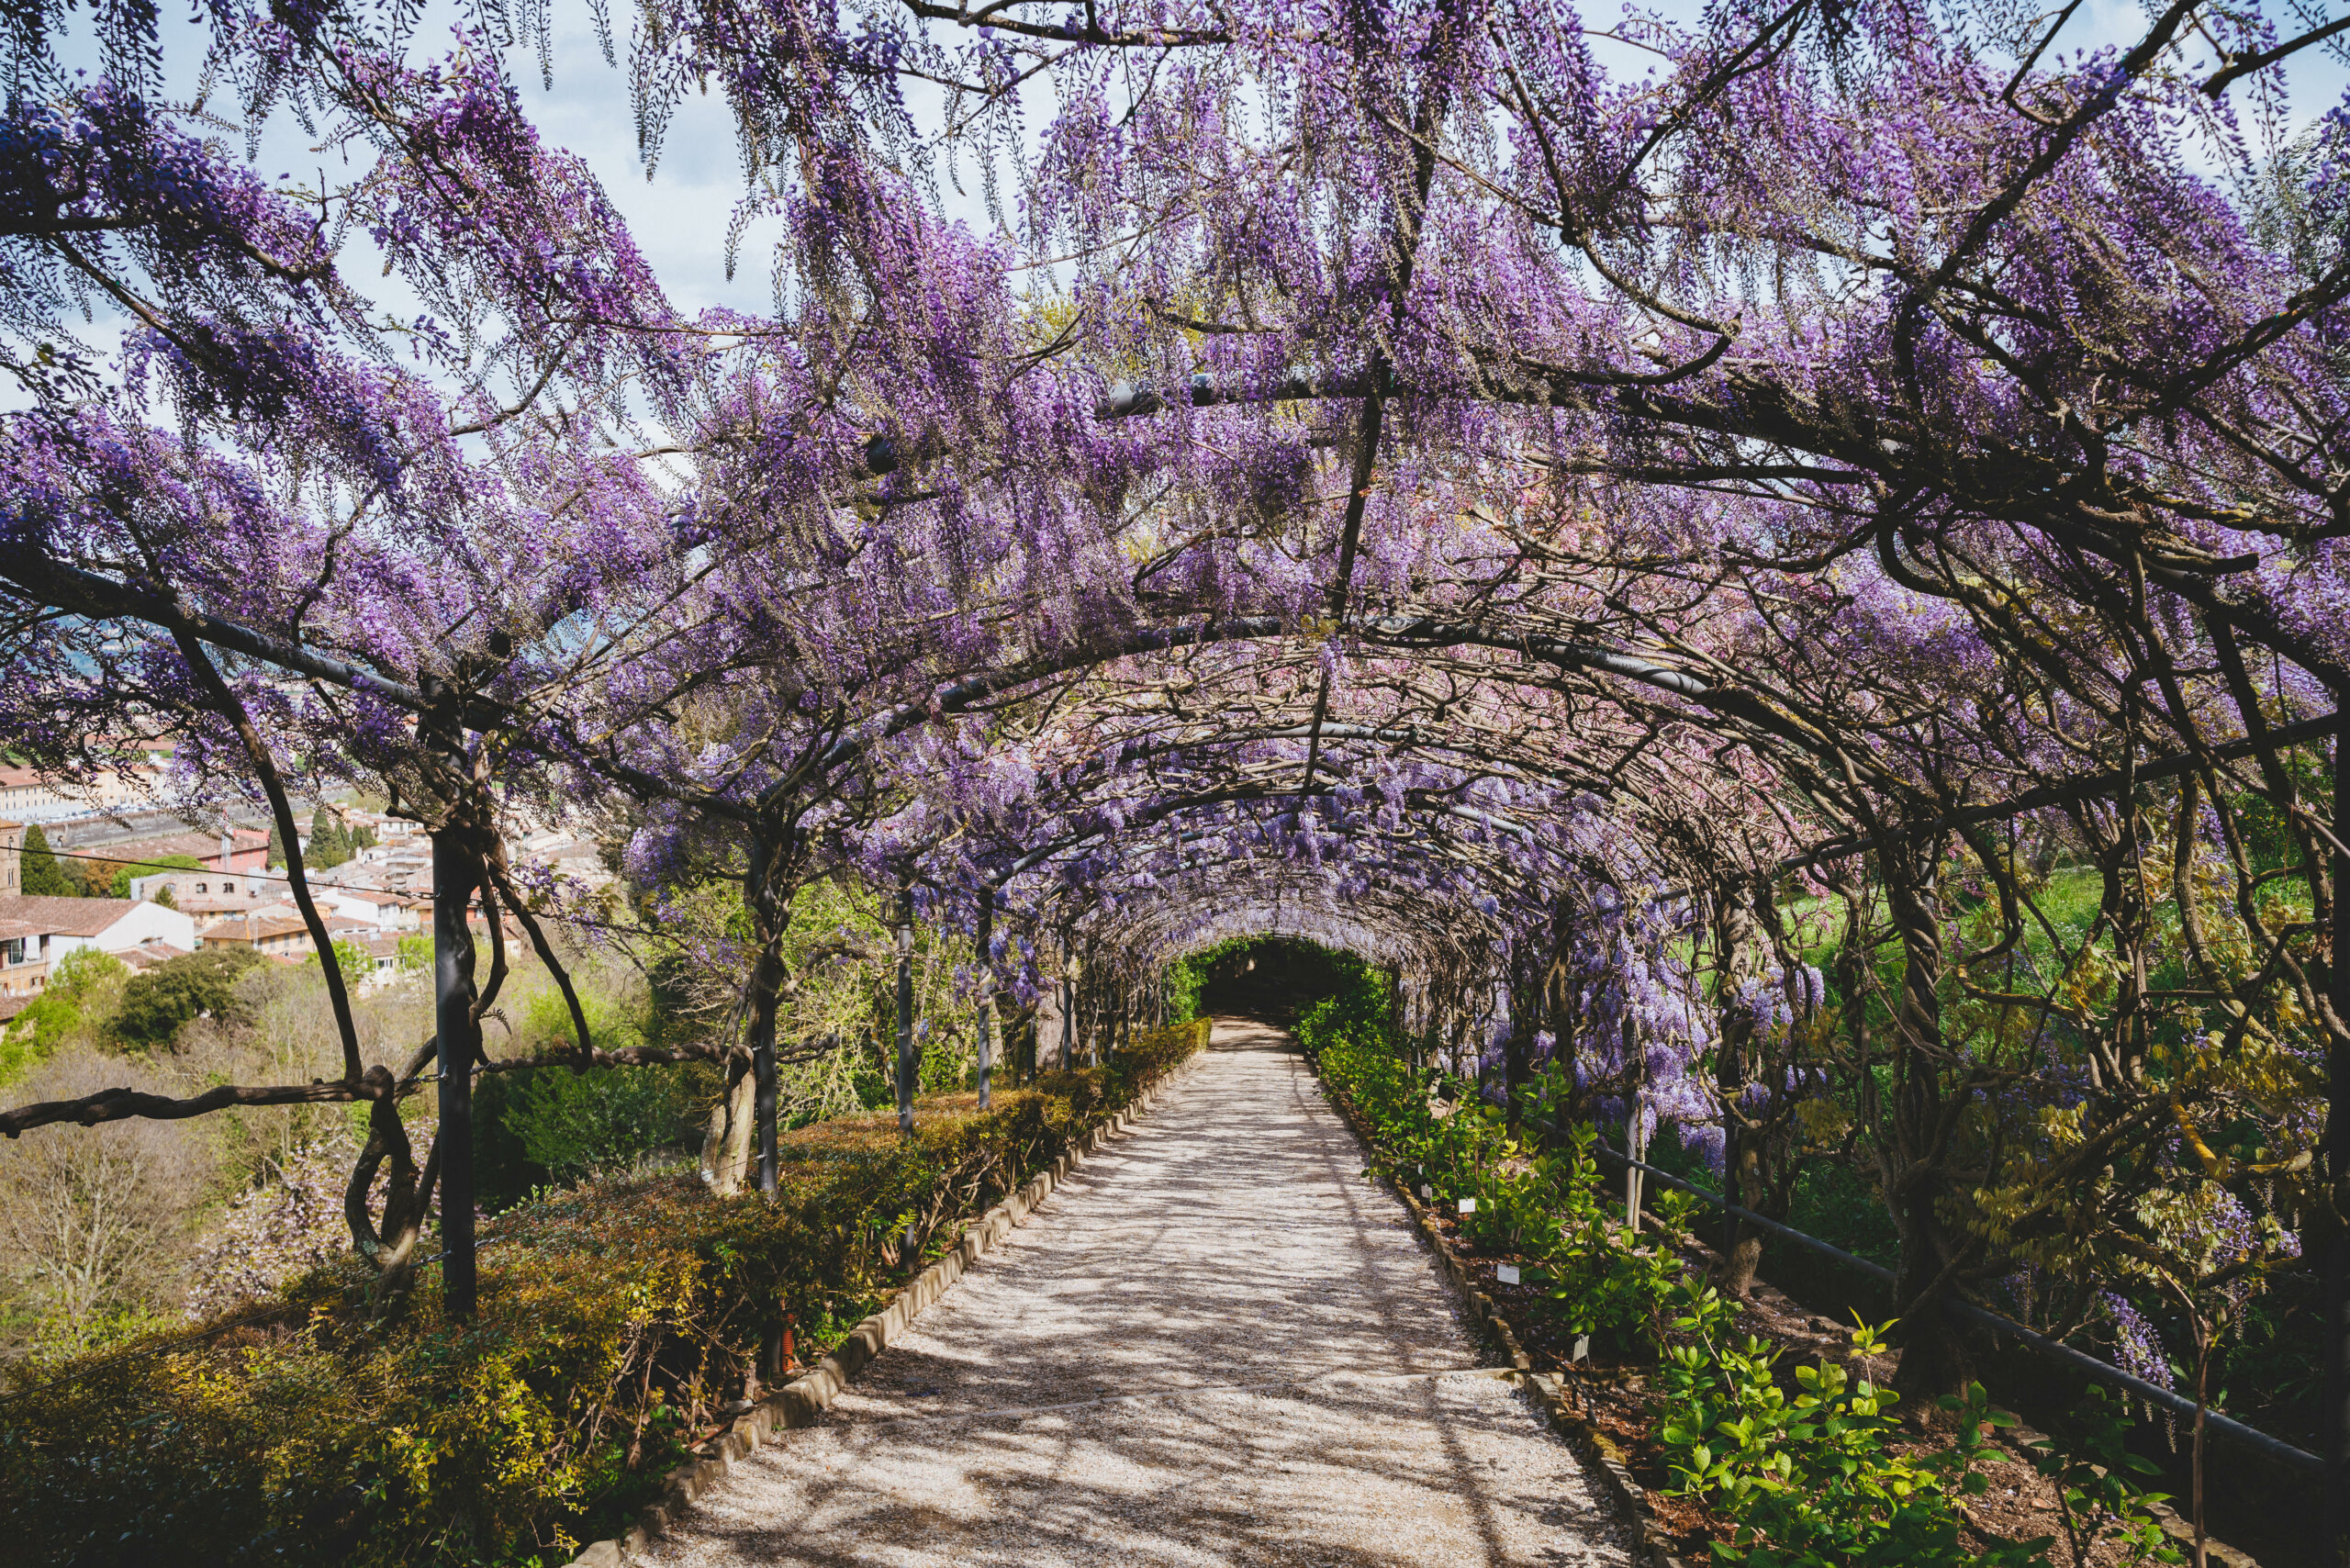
[[2106, 1372]]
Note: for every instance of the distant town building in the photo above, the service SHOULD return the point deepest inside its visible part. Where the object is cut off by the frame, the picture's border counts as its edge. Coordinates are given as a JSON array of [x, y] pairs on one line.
[[385, 952], [378, 907], [150, 953], [23, 967], [278, 931], [27, 795], [12, 854], [241, 849], [274, 936], [56, 926], [209, 892]]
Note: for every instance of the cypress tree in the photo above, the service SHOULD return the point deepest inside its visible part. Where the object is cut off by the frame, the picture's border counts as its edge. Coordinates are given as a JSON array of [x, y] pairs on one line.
[[329, 846], [42, 877]]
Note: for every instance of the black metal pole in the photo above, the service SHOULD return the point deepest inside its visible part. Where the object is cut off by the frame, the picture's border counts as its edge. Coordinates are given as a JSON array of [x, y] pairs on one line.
[[1729, 1186], [909, 1063], [986, 1021], [456, 874], [2335, 1283]]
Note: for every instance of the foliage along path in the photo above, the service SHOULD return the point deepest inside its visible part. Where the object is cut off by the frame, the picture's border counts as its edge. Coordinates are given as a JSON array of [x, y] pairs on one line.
[[1216, 1343]]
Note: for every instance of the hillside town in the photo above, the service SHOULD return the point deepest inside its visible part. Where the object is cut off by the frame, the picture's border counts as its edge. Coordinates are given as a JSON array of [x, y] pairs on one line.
[[104, 865]]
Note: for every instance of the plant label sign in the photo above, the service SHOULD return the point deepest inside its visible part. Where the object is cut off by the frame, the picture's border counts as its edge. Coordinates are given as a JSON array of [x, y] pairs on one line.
[[1505, 1272], [1583, 1348], [1468, 1205], [1427, 1191]]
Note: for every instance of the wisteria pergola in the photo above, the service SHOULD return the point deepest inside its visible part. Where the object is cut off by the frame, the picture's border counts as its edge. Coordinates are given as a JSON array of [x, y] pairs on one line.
[[1380, 475]]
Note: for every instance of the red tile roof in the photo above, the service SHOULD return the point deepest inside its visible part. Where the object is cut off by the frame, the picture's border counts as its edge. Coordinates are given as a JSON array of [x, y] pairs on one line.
[[65, 916]]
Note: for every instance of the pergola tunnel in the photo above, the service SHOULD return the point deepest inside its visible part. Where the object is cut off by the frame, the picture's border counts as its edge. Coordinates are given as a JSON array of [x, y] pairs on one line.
[[1713, 642]]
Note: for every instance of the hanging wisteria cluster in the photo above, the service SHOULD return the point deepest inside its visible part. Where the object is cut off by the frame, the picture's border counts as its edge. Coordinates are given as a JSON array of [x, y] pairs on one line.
[[1610, 545]]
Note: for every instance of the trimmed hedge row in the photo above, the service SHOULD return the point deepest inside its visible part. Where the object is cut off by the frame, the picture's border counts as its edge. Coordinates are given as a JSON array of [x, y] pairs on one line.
[[613, 1322]]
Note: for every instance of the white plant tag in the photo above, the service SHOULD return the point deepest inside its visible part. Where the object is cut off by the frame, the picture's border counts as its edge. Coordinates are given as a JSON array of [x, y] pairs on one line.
[[1505, 1272], [1427, 1191], [1468, 1205], [1583, 1348]]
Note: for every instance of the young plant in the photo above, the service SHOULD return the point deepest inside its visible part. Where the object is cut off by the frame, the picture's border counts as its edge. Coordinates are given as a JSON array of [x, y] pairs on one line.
[[1812, 1480], [2099, 1501], [1604, 1278]]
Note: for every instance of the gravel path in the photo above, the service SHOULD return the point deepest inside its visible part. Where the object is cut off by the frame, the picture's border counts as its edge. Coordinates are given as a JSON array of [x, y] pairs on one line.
[[1215, 1343]]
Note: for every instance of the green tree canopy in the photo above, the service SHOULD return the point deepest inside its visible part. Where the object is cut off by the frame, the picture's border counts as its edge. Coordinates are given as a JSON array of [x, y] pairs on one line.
[[156, 1003], [355, 962], [329, 840]]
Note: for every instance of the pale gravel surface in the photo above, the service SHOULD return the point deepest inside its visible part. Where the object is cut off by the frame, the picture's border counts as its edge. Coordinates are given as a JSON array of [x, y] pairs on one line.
[[1215, 1343]]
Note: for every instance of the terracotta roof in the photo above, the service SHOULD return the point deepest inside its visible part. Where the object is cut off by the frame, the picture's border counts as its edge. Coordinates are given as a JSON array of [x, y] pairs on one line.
[[65, 916], [252, 928], [12, 929], [198, 846]]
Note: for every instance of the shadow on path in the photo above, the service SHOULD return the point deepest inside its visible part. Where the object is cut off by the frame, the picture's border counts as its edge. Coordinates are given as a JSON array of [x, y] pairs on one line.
[[1215, 1343]]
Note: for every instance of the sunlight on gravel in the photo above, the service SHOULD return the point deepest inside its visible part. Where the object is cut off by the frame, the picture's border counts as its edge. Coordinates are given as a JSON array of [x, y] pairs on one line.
[[1215, 1344]]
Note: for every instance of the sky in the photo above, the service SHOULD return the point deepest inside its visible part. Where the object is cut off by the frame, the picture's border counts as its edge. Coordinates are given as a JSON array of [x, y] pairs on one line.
[[679, 217]]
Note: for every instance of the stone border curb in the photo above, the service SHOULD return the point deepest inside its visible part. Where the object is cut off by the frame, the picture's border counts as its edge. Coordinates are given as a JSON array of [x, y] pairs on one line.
[[802, 1401], [1596, 1450]]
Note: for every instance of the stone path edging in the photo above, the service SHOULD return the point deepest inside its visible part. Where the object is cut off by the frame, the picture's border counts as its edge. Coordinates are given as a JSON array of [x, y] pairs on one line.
[[801, 1402], [1597, 1451]]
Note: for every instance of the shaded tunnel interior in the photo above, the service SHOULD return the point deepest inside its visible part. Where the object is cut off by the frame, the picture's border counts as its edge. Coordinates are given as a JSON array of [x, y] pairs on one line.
[[1275, 979]]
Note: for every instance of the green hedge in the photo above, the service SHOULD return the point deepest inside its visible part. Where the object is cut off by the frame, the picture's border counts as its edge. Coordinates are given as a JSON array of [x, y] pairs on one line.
[[613, 1321]]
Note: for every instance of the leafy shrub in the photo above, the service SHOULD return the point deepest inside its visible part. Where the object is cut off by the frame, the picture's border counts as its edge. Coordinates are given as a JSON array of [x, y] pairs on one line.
[[1813, 1481], [26, 1040], [82, 989], [573, 1124], [611, 1321], [154, 1004], [1544, 1205], [84, 973], [554, 1126], [1603, 1279]]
